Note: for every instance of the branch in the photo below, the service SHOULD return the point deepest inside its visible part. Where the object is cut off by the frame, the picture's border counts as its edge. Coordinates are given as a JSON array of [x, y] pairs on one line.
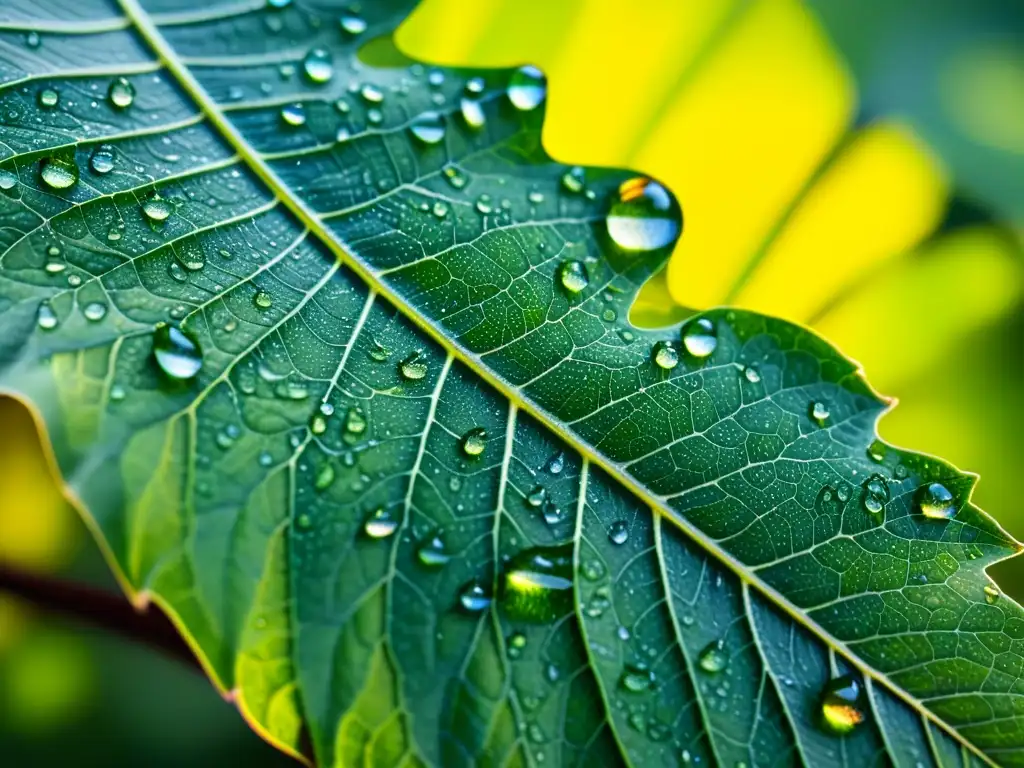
[[99, 608]]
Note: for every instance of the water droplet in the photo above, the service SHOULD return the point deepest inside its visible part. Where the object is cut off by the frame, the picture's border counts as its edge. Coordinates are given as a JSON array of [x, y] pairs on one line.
[[324, 477], [177, 273], [876, 494], [58, 173], [483, 204], [537, 584], [293, 114], [573, 276], [935, 501], [48, 98], [46, 318], [751, 374], [102, 159], [636, 678], [440, 209], [527, 87], [665, 355], [156, 208], [428, 128], [318, 66], [474, 598], [371, 94], [842, 704], [556, 463], [353, 24], [516, 644], [618, 532], [94, 311], [699, 337], [380, 524], [342, 134], [177, 352], [991, 594], [32, 39], [644, 216], [472, 112], [713, 657], [317, 424], [262, 299], [413, 368], [574, 179], [7, 180], [474, 441], [432, 553], [278, 3], [121, 93], [537, 497], [456, 178], [819, 413], [877, 451], [355, 421]]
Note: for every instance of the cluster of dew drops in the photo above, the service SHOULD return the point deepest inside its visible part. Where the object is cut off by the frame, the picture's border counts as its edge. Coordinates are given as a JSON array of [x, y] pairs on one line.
[[642, 217]]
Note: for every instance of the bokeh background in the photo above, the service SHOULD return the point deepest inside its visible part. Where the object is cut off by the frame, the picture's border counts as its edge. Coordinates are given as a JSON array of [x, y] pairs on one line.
[[857, 167]]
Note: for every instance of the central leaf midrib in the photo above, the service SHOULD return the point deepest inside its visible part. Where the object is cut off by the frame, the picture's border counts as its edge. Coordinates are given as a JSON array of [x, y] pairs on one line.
[[154, 38]]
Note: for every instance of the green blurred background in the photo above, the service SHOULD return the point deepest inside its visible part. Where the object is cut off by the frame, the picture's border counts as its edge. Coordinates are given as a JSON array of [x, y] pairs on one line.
[[858, 167]]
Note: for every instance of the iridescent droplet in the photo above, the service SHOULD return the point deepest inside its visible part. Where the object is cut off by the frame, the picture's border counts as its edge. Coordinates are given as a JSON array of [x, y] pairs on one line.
[[7, 180], [355, 421], [991, 594], [574, 179], [842, 705], [644, 216]]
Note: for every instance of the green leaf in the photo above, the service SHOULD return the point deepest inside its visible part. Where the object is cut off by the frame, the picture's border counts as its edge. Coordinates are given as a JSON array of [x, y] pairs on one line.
[[343, 376]]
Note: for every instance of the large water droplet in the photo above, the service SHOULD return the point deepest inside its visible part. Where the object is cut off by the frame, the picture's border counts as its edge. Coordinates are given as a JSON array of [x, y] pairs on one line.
[[644, 216], [380, 524], [262, 299], [665, 355], [353, 24], [474, 441], [573, 276], [156, 208], [121, 93], [527, 87], [94, 311], [48, 98], [432, 553], [46, 318], [537, 584], [7, 179], [474, 598], [713, 657], [177, 352], [318, 65], [58, 173], [293, 115], [537, 497], [636, 678], [699, 337], [472, 112], [618, 532], [102, 159], [936, 501], [842, 704], [371, 94], [428, 128], [413, 368]]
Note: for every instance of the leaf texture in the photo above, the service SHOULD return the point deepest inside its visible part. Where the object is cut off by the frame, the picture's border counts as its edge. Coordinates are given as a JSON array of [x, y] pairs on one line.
[[422, 499]]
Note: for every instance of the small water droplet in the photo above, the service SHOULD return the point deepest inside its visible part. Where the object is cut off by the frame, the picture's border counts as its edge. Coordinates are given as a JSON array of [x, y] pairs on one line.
[[537, 584], [472, 112], [428, 128], [516, 644], [58, 173], [380, 524], [317, 424], [94, 311], [699, 337], [877, 451], [456, 178], [537, 497], [48, 98], [177, 272], [32, 39], [371, 94], [318, 65], [293, 114], [413, 368], [636, 678], [665, 355], [574, 179], [102, 159], [644, 216], [121, 93], [819, 412], [936, 501], [262, 299], [876, 494], [355, 421], [474, 598], [353, 24], [618, 532], [556, 463], [713, 657], [324, 477], [7, 180], [46, 318], [474, 441], [432, 553], [177, 352], [304, 522], [573, 276], [156, 208], [842, 705], [527, 88], [751, 374], [991, 594]]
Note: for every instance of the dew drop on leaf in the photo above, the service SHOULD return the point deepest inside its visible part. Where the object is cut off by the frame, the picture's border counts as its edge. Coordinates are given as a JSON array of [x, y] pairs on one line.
[[474, 441], [819, 412], [121, 93], [472, 112], [527, 88], [618, 532], [516, 644], [574, 179], [413, 368], [573, 276], [428, 128], [537, 497], [318, 66], [353, 24], [262, 299], [324, 477], [48, 98], [556, 463], [177, 352], [537, 584], [636, 678], [58, 173], [456, 178], [751, 374], [371, 94], [699, 338], [32, 39], [713, 657], [355, 421], [876, 494], [474, 598], [665, 355], [156, 208], [644, 216], [380, 524], [102, 159], [46, 318], [877, 451], [7, 180], [293, 115], [432, 553], [842, 704], [936, 501], [94, 311], [991, 594]]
